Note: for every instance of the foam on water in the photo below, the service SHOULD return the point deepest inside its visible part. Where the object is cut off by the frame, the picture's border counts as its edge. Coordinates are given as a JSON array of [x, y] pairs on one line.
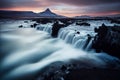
[[25, 52]]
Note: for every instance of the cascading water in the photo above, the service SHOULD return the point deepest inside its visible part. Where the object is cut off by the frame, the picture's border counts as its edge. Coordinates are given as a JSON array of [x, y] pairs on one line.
[[88, 47], [75, 38], [69, 37], [46, 28], [26, 52], [62, 34]]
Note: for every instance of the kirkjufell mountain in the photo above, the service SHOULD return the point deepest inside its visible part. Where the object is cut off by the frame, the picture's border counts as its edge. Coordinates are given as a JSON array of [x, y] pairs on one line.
[[28, 14], [48, 13]]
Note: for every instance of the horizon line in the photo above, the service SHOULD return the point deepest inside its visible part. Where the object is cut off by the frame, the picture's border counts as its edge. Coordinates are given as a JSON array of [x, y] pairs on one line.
[[60, 14]]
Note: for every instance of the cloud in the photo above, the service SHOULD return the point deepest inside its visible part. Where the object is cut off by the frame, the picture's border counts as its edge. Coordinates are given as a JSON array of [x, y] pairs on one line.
[[64, 6], [105, 8], [4, 4], [86, 2], [20, 3], [42, 3]]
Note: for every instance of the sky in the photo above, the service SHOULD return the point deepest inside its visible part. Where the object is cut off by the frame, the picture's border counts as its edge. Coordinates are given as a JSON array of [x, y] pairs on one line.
[[65, 7]]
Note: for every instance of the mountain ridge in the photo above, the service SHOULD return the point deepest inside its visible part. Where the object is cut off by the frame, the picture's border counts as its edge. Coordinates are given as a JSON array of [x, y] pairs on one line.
[[44, 14], [49, 13]]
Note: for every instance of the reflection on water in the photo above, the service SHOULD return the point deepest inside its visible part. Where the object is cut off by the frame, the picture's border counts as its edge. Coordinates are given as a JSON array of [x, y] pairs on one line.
[[27, 51]]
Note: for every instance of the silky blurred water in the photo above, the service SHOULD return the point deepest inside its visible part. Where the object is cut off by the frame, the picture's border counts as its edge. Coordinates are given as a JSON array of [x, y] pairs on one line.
[[26, 51]]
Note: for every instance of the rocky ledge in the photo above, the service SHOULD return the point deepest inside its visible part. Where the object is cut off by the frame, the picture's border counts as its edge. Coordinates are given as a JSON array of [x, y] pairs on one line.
[[107, 40]]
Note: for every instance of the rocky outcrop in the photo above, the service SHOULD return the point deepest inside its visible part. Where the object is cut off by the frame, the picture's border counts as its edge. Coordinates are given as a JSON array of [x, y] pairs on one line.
[[71, 72], [107, 40], [33, 25], [43, 21], [82, 23], [56, 27], [21, 26], [115, 21]]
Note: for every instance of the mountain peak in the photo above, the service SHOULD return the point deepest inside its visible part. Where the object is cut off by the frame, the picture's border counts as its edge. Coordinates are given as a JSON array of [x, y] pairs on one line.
[[49, 13], [48, 10]]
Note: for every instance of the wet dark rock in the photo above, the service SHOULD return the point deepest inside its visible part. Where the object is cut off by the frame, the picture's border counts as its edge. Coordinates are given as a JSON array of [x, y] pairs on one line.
[[115, 21], [31, 26], [78, 32], [71, 72], [21, 26], [107, 40], [66, 21], [56, 27], [93, 74], [25, 21], [96, 29], [43, 21], [63, 68], [82, 24], [35, 24]]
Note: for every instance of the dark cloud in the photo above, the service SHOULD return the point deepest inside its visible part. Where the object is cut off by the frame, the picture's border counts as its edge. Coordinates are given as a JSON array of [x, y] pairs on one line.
[[5, 4], [93, 6], [115, 7], [40, 3], [19, 3], [86, 2], [89, 6]]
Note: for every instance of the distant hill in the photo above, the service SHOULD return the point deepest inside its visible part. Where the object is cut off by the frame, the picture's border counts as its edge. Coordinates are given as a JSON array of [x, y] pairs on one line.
[[29, 14], [97, 17], [115, 15], [17, 14], [83, 17]]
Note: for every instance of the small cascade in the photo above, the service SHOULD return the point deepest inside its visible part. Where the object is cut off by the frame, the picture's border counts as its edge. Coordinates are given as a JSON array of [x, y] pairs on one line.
[[45, 28], [70, 36], [63, 34], [77, 40], [89, 44], [48, 29], [80, 43], [40, 28]]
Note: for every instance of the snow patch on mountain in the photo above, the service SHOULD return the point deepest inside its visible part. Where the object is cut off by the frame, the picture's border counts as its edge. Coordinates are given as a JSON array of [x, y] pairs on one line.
[[49, 13]]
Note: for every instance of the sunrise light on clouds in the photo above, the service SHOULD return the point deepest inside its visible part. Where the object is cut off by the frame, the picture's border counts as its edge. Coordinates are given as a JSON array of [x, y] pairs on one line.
[[64, 7]]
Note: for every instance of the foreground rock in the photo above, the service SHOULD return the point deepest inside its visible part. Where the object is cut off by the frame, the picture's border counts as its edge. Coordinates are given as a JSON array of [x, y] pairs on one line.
[[56, 27], [107, 40], [71, 72]]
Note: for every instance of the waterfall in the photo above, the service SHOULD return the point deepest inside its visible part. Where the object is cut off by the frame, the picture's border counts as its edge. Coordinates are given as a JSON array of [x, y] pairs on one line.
[[80, 43], [89, 44], [46, 28], [40, 28], [70, 36], [75, 39], [25, 52], [62, 34]]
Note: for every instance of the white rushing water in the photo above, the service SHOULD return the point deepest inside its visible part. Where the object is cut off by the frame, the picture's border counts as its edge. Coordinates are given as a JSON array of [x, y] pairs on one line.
[[26, 51]]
